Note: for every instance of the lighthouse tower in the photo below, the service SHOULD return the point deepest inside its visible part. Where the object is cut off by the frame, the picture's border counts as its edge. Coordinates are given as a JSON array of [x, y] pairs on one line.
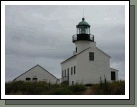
[[83, 39], [88, 64]]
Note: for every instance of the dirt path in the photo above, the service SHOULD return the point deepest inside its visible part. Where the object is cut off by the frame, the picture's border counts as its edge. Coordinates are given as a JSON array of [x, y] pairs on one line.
[[88, 92]]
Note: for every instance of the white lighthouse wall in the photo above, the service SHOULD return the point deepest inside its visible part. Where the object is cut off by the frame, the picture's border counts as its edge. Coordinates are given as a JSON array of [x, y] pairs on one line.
[[88, 71], [103, 64], [68, 64], [81, 45], [92, 71]]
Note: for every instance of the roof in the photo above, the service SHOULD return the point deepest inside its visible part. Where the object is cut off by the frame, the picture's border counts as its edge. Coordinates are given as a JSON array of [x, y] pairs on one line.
[[31, 69], [103, 52], [75, 55], [114, 69], [82, 52], [68, 58], [83, 22]]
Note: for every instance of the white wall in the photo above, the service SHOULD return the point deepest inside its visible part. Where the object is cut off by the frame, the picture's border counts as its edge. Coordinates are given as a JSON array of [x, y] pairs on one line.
[[91, 71], [88, 71], [40, 74], [81, 45], [68, 64]]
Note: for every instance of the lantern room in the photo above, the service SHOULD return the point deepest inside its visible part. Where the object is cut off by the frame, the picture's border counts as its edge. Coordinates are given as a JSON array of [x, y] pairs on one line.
[[83, 32], [83, 27]]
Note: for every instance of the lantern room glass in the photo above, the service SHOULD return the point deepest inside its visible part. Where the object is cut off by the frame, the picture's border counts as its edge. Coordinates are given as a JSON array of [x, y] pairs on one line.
[[83, 30]]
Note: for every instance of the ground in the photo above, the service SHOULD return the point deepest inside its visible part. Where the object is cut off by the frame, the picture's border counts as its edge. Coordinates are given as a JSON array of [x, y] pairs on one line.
[[88, 91]]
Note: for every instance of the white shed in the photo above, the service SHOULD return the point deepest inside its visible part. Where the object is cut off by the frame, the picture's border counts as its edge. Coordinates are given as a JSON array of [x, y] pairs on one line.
[[37, 73]]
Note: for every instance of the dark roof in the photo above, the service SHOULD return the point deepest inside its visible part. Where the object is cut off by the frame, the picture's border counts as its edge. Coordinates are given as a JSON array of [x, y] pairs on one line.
[[83, 23], [74, 55], [31, 69]]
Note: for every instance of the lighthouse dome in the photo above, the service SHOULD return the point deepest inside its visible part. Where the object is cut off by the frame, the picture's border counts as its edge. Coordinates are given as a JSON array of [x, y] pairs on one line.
[[83, 23]]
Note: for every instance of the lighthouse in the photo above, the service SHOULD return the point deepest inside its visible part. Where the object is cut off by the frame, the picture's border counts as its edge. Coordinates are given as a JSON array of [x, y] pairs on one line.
[[83, 38], [88, 64]]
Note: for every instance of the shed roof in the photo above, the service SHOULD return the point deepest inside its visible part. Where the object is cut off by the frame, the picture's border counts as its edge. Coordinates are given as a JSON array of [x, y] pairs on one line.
[[33, 68]]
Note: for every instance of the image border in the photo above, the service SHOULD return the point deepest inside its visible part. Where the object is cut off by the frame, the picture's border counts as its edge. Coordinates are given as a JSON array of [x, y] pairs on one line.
[[131, 101], [92, 99]]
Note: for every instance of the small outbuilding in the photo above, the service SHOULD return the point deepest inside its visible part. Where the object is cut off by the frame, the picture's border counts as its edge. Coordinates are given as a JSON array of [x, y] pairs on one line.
[[37, 73]]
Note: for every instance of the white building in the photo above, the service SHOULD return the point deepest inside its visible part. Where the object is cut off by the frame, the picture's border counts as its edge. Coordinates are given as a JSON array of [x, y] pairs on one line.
[[37, 73], [88, 64]]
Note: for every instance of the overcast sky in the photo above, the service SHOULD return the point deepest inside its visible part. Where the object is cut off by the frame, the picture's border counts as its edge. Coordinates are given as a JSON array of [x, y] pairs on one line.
[[43, 35]]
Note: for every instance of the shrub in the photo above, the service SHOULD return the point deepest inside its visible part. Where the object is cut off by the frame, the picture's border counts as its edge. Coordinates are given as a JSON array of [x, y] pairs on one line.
[[61, 91], [117, 88], [77, 88], [88, 85], [26, 88], [109, 88]]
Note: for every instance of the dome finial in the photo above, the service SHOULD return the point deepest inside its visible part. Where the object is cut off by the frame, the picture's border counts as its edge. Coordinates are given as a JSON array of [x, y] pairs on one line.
[[83, 12], [83, 15]]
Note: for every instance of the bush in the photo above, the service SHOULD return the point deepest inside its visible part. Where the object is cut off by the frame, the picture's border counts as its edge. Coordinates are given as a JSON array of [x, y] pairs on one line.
[[77, 88], [117, 88], [26, 88], [88, 85], [42, 88], [61, 91], [109, 88]]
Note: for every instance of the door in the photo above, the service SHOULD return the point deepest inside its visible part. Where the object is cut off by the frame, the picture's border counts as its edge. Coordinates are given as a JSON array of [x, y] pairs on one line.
[[113, 75]]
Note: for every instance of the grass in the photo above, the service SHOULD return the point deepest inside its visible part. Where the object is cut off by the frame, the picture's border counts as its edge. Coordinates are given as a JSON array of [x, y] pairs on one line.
[[43, 88], [109, 88]]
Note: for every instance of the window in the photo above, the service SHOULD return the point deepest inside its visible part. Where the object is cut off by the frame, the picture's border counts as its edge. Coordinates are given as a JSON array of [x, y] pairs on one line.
[[27, 79], [65, 73], [72, 82], [74, 69], [71, 70], [113, 75], [91, 56], [68, 71], [34, 79], [62, 73]]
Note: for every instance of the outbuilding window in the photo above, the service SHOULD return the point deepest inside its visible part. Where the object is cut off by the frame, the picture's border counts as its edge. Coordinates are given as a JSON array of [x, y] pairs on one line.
[[91, 56], [34, 79], [27, 79]]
